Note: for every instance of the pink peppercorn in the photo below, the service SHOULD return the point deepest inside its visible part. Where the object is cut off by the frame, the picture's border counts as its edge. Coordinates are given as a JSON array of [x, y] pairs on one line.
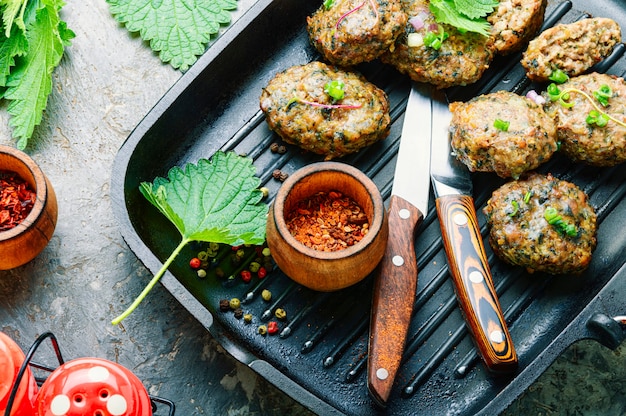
[[272, 327]]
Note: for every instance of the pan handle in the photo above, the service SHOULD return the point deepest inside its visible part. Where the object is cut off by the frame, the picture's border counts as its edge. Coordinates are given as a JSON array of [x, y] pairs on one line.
[[606, 330]]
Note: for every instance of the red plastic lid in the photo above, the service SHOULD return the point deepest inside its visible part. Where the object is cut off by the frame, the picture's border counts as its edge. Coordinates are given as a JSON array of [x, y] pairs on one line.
[[92, 387], [11, 359]]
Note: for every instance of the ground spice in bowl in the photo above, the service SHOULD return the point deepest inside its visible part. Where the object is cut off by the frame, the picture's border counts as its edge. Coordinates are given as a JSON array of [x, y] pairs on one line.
[[16, 200], [327, 221]]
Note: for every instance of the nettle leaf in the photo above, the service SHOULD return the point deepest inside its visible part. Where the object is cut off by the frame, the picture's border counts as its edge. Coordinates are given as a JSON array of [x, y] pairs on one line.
[[476, 8], [15, 45], [33, 54], [178, 30], [216, 200], [445, 11]]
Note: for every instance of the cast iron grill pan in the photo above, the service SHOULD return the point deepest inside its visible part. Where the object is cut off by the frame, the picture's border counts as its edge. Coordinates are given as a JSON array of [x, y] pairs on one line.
[[320, 356]]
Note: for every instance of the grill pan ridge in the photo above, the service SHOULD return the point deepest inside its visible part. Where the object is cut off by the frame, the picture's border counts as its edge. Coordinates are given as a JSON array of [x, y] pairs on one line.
[[320, 356]]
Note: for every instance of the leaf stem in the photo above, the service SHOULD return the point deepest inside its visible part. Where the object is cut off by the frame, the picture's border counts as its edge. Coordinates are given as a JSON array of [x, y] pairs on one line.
[[152, 282]]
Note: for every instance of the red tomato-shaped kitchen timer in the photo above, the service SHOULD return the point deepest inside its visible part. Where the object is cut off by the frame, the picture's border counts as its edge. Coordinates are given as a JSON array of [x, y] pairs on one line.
[[92, 387], [11, 359]]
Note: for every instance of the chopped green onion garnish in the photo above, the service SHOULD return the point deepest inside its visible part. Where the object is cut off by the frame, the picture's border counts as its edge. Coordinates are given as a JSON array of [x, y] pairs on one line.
[[515, 206], [527, 197], [597, 118], [554, 92], [603, 94], [501, 124], [335, 89], [558, 76], [435, 39], [328, 4], [552, 216]]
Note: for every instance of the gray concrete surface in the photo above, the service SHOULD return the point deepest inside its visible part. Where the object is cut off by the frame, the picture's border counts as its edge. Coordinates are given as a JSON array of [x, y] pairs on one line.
[[108, 80]]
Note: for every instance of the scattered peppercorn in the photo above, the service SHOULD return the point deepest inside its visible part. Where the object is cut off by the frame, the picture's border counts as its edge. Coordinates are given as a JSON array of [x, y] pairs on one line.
[[282, 150], [266, 252], [266, 295], [272, 327], [254, 266], [280, 313], [261, 273], [276, 173], [246, 276], [262, 329], [283, 176], [238, 313], [201, 273], [224, 305], [265, 191], [247, 318], [234, 303], [195, 263], [274, 147]]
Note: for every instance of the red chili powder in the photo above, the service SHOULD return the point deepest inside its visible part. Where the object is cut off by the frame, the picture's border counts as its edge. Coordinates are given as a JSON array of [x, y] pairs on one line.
[[16, 199], [327, 221]]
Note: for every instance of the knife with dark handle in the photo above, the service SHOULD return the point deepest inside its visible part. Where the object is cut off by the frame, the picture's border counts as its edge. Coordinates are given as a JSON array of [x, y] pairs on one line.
[[464, 248], [396, 281]]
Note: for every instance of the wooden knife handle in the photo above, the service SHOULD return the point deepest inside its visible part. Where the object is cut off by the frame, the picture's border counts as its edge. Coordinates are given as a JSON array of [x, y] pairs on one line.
[[393, 299], [473, 282]]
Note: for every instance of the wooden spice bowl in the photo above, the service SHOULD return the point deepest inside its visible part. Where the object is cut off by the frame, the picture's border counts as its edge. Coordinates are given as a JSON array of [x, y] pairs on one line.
[[327, 271], [22, 243]]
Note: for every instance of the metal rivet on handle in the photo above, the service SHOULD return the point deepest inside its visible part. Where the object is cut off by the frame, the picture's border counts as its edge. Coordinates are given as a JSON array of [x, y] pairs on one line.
[[476, 276], [397, 260], [496, 336], [460, 219], [382, 373], [404, 213]]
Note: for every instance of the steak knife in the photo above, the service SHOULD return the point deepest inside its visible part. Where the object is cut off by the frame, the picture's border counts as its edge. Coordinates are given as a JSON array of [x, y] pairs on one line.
[[464, 247], [396, 282]]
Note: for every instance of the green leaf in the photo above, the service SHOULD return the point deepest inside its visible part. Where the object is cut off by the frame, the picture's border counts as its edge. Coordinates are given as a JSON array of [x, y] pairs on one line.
[[30, 82], [13, 12], [476, 8], [178, 30], [445, 12], [15, 45], [216, 201]]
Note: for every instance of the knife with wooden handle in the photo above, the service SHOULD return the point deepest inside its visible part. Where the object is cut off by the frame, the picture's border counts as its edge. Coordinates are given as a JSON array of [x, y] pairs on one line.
[[396, 282], [464, 247]]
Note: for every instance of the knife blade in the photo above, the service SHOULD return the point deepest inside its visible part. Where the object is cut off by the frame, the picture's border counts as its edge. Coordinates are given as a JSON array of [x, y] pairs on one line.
[[396, 282], [464, 247]]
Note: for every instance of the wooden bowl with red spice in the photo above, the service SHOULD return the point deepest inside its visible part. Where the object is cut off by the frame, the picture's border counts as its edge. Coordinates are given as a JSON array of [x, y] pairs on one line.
[[327, 227], [28, 208]]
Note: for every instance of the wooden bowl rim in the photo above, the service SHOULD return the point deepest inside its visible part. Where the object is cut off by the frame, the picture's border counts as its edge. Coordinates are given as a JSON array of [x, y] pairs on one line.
[[41, 191], [322, 167]]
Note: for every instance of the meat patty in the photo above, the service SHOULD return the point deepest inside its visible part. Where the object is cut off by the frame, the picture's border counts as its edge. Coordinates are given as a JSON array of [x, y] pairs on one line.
[[348, 32], [543, 224], [501, 132], [515, 23], [461, 59], [573, 47], [585, 142], [299, 110]]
